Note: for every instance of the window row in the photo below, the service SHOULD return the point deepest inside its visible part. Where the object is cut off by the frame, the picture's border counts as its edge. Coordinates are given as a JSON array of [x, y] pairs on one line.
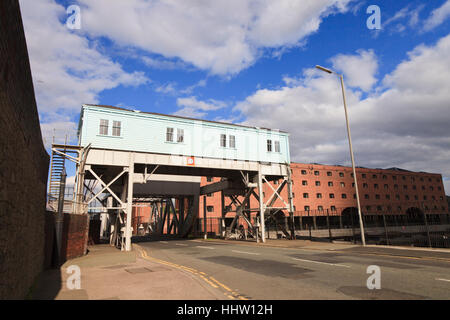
[[364, 176], [276, 145], [231, 141], [170, 135], [104, 128]]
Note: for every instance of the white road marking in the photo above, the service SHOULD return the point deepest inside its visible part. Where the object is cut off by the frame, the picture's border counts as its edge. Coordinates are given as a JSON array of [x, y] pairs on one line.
[[181, 244], [164, 242], [204, 247], [330, 264], [442, 279], [253, 253], [197, 241]]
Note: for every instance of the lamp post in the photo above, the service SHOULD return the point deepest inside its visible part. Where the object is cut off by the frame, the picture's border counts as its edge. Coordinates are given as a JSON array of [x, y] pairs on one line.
[[361, 224]]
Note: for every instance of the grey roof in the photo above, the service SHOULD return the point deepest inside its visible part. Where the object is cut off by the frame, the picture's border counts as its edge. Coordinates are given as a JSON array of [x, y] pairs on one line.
[[181, 117]]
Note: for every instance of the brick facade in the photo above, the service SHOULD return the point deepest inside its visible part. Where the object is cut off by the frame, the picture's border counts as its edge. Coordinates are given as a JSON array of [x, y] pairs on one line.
[[74, 237], [322, 187], [23, 163]]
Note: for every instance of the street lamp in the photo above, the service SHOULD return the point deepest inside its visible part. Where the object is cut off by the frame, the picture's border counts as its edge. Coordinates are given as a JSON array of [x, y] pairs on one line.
[[361, 224]]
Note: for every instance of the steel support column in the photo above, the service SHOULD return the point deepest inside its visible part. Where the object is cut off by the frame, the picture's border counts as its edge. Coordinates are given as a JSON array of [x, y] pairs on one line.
[[129, 204], [261, 205]]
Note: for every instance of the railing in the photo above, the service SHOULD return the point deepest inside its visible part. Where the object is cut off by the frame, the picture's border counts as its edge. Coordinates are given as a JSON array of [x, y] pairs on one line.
[[380, 228]]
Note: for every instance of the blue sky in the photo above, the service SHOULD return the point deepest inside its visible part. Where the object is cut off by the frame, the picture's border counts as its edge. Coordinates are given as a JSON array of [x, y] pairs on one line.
[[253, 62]]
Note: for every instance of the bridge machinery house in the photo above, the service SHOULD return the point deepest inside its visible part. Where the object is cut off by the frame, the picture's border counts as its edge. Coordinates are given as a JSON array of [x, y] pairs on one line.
[[122, 152]]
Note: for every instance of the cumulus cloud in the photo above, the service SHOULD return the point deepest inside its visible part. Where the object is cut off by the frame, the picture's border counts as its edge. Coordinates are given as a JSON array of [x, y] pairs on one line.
[[437, 16], [67, 68], [402, 123], [359, 69], [196, 108], [221, 36]]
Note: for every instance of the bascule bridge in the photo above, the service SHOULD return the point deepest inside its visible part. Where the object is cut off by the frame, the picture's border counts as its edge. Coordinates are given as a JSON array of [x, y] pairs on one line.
[[127, 156]]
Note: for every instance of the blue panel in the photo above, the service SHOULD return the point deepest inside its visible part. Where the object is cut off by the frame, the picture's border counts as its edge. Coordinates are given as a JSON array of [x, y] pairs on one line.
[[146, 132]]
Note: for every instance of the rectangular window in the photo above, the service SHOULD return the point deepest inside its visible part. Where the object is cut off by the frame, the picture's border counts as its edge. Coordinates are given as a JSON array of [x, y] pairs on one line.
[[269, 145], [342, 184], [333, 208], [304, 182], [303, 171], [317, 183], [180, 135], [305, 195], [344, 196], [209, 179], [319, 196], [320, 208], [116, 128], [169, 134], [329, 173], [210, 208], [306, 208], [103, 127], [331, 195], [223, 140], [277, 146], [232, 141], [341, 174], [330, 183]]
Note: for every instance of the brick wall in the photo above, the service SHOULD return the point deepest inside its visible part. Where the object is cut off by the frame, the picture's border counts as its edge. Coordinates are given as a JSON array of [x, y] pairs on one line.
[[74, 236], [23, 163]]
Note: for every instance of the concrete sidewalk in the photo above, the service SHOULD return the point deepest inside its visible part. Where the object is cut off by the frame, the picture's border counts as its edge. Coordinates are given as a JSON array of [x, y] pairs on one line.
[[107, 273]]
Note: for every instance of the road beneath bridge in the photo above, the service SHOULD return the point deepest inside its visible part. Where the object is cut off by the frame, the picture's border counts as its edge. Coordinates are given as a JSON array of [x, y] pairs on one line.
[[307, 271]]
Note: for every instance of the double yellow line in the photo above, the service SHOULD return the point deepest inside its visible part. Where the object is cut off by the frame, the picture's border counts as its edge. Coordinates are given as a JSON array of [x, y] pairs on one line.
[[208, 279]]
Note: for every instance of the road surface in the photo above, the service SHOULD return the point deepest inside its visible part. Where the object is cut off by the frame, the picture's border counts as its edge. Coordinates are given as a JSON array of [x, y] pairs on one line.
[[248, 271]]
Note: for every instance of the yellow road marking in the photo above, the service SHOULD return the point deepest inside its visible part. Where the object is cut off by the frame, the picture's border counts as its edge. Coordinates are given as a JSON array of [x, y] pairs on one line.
[[202, 275], [221, 284]]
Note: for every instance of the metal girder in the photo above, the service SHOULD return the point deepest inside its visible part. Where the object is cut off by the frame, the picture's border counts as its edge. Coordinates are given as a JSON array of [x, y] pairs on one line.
[[106, 186], [275, 192]]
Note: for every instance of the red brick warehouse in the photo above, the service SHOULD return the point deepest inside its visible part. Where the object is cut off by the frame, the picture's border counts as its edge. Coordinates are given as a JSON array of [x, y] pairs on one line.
[[324, 189]]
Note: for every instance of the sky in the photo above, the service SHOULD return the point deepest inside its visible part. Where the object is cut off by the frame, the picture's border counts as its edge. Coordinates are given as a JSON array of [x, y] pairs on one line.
[[252, 62]]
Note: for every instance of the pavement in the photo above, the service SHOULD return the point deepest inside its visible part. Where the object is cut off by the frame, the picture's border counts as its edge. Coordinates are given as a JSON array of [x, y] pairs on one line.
[[214, 269], [110, 274]]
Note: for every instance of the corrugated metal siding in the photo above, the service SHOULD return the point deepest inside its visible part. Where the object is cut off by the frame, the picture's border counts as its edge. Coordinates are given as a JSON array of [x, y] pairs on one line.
[[147, 133]]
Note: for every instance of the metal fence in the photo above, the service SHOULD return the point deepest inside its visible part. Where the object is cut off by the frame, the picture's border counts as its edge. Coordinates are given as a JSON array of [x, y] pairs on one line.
[[412, 229]]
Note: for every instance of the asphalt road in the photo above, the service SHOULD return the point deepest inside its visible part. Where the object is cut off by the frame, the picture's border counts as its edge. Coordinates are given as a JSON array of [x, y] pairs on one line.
[[256, 272]]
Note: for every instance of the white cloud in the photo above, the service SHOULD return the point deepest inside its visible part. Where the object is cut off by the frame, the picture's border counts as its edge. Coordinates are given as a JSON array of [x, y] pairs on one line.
[[402, 123], [221, 36], [58, 132], [168, 88], [196, 108], [405, 17], [437, 16], [67, 68], [359, 69]]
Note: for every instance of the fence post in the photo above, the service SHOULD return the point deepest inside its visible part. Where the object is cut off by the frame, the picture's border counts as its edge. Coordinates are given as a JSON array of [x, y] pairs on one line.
[[426, 226], [205, 235], [385, 229], [309, 227], [353, 226], [328, 225]]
